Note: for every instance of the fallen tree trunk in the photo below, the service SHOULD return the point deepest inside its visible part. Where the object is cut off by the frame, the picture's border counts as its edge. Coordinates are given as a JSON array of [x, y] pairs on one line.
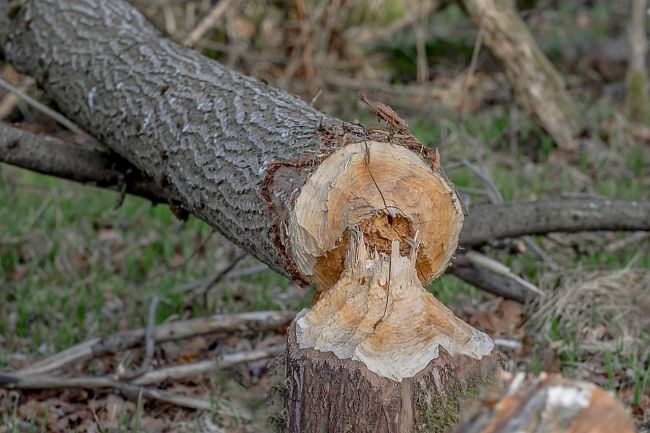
[[235, 151], [538, 86]]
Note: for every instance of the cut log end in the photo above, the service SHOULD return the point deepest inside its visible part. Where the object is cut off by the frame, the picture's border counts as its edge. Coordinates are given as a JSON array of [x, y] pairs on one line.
[[390, 193], [542, 404]]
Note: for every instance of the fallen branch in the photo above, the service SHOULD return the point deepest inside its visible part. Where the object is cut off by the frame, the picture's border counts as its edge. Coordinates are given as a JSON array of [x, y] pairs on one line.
[[20, 381], [194, 369], [96, 347], [51, 156], [149, 343], [492, 222], [538, 86], [492, 282]]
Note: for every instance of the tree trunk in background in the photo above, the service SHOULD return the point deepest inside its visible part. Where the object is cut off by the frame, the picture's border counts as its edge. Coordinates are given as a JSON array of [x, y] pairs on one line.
[[538, 86], [637, 76]]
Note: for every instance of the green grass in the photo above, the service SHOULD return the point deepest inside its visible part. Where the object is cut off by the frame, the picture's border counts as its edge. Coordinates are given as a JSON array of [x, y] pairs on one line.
[[69, 262]]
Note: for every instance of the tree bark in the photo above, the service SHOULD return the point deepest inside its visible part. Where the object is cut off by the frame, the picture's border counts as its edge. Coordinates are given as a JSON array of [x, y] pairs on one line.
[[213, 136], [538, 86], [329, 394], [235, 151], [50, 155], [491, 222], [637, 76]]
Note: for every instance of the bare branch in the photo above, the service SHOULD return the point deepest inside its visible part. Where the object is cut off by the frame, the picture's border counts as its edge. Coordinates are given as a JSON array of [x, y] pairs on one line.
[[492, 222], [51, 156], [184, 371], [20, 381], [42, 108], [516, 289], [150, 342], [96, 347], [207, 23]]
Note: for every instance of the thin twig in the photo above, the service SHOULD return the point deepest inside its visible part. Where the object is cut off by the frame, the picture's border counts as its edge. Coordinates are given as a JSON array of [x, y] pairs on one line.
[[185, 371], [365, 35], [470, 71], [11, 99], [233, 275], [621, 244], [43, 109], [21, 381], [150, 342], [220, 276], [207, 23], [221, 323]]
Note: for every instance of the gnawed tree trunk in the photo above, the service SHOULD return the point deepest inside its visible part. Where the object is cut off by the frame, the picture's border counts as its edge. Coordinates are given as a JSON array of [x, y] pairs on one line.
[[235, 151], [291, 186], [538, 86], [378, 353]]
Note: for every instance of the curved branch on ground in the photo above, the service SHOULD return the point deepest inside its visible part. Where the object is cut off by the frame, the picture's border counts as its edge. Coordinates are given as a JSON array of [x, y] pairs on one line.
[[492, 222]]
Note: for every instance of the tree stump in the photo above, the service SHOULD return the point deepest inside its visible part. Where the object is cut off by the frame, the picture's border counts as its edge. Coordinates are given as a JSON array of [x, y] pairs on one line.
[[377, 352]]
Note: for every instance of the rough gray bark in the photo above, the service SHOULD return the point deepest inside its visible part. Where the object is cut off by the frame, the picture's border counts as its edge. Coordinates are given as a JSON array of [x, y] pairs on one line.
[[213, 135]]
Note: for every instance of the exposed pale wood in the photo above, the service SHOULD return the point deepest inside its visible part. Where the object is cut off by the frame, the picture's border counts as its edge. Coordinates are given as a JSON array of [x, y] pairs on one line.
[[545, 404], [366, 183], [379, 313], [378, 353], [235, 151]]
